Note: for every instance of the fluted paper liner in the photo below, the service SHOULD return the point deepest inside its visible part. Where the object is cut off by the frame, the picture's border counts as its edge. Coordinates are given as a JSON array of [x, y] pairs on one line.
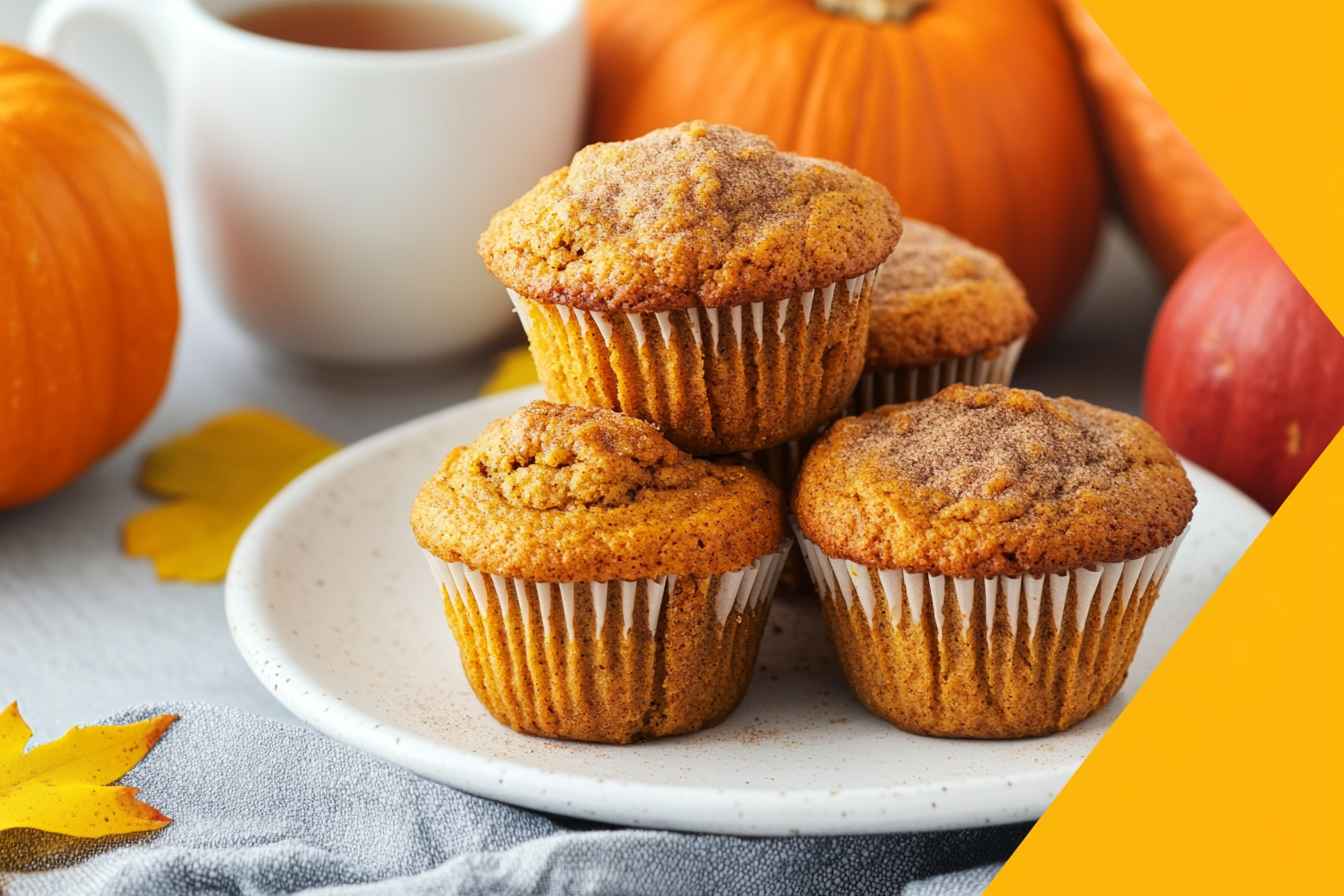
[[781, 463], [609, 661], [715, 380], [900, 384], [1005, 656]]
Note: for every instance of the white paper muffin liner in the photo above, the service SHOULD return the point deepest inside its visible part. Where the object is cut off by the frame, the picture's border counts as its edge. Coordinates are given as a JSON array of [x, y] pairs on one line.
[[781, 463], [1111, 585], [742, 589], [764, 320], [714, 380], [902, 384], [609, 661]]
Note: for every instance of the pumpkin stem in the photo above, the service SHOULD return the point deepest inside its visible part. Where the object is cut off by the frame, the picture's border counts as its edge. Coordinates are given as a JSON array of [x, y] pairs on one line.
[[874, 10]]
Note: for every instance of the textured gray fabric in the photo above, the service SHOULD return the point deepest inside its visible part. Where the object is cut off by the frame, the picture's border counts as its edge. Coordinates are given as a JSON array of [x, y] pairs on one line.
[[957, 883], [263, 807]]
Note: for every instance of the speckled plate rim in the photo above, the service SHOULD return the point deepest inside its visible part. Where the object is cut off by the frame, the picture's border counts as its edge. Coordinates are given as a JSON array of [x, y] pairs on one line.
[[967, 802]]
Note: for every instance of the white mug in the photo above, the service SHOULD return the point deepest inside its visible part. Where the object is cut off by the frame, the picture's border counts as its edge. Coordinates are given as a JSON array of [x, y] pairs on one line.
[[333, 198]]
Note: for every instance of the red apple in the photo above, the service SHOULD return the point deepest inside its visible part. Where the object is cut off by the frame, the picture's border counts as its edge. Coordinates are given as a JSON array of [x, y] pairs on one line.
[[1245, 373]]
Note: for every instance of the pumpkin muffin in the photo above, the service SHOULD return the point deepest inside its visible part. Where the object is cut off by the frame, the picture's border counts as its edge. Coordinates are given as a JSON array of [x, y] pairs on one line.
[[987, 558], [700, 279], [944, 311], [602, 585]]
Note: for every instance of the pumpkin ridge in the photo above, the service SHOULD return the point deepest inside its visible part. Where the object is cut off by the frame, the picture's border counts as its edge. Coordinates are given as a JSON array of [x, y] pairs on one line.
[[30, 438], [98, 436], [706, 9], [812, 115], [17, 395], [1008, 181], [126, 413], [932, 114], [88, 442], [817, 35], [49, 454], [771, 24], [865, 79], [154, 306]]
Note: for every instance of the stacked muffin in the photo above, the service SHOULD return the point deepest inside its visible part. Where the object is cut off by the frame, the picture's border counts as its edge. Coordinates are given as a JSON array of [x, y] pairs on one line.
[[987, 558], [695, 279], [601, 583], [696, 294], [944, 311], [699, 279]]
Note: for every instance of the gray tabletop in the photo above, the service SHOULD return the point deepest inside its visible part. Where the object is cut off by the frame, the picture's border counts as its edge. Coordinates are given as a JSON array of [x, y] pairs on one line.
[[86, 631]]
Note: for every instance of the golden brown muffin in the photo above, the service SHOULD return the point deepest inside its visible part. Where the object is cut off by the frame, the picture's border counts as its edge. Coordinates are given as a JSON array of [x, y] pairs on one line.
[[699, 279], [987, 558], [944, 311], [696, 215], [601, 584]]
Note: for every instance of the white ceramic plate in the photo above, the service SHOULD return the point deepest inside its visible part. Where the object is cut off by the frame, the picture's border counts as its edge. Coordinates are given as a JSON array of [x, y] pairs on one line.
[[332, 606]]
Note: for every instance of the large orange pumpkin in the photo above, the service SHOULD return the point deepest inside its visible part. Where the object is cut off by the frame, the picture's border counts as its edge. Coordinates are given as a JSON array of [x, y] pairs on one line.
[[1175, 202], [88, 293], [970, 111]]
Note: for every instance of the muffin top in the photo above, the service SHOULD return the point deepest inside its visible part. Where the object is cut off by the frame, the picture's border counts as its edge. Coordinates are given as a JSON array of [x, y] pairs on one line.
[[940, 297], [687, 216], [560, 493], [988, 480]]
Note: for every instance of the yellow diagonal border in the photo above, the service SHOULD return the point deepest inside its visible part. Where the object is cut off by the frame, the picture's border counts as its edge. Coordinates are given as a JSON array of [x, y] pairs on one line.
[[1225, 774], [1258, 88]]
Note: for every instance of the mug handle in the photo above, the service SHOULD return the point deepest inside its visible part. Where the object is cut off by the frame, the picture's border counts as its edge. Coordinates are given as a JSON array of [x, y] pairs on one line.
[[148, 21]]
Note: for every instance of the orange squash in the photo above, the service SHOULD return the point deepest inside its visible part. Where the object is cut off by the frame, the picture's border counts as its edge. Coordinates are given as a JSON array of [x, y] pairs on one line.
[[970, 111], [88, 292], [1175, 203]]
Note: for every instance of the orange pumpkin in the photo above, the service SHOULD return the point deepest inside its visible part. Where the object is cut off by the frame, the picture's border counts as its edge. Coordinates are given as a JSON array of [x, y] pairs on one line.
[[88, 293], [1175, 203], [970, 111]]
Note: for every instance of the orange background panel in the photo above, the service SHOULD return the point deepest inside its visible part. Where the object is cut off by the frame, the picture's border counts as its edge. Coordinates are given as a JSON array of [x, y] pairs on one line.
[[1259, 90], [1224, 774]]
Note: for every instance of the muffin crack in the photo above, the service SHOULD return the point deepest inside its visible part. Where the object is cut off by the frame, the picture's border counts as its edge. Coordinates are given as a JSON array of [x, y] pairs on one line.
[[697, 214], [559, 492], [988, 481]]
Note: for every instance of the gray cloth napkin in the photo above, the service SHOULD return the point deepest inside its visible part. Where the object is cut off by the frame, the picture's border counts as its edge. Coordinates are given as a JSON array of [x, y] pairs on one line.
[[264, 807]]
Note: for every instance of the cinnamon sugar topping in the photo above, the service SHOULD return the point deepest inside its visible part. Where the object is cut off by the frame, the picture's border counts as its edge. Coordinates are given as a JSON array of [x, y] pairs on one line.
[[697, 214], [983, 481]]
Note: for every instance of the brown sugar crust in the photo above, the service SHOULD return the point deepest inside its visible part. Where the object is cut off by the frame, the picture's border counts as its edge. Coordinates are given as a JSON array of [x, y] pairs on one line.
[[938, 297], [696, 215], [988, 480], [560, 493]]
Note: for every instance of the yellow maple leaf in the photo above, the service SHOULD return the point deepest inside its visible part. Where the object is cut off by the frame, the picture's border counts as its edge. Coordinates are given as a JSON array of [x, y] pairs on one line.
[[513, 370], [218, 478], [62, 786]]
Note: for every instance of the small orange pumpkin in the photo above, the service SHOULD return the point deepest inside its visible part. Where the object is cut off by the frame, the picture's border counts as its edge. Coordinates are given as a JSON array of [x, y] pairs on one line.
[[88, 291], [969, 111], [1174, 201]]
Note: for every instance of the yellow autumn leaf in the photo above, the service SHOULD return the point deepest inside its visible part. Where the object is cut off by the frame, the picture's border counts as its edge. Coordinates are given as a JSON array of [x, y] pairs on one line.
[[513, 370], [217, 479], [62, 786]]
